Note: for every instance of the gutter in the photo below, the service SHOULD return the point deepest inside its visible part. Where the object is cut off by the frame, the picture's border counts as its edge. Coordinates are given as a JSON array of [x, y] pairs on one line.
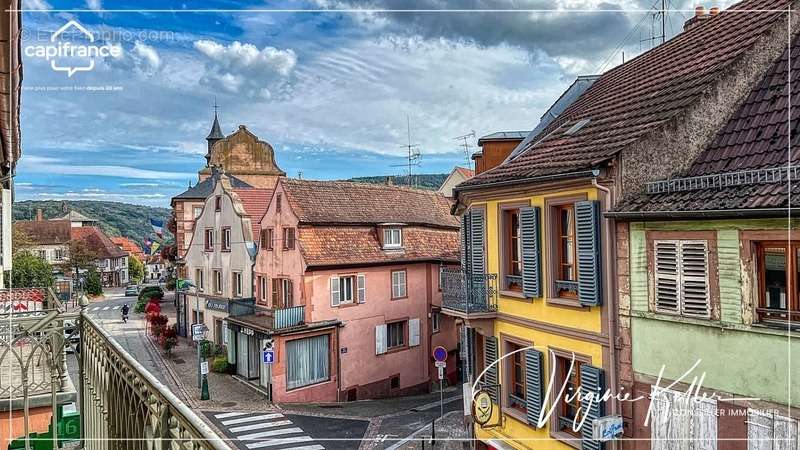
[[706, 214]]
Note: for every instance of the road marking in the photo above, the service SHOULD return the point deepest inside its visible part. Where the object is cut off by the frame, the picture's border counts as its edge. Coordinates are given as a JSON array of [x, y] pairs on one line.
[[95, 308], [116, 307], [259, 426], [263, 434], [106, 308], [251, 419], [306, 447], [230, 414], [274, 442]]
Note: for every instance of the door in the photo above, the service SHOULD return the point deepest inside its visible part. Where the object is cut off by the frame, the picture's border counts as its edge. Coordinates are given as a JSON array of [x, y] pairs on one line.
[[241, 354], [254, 354], [218, 331]]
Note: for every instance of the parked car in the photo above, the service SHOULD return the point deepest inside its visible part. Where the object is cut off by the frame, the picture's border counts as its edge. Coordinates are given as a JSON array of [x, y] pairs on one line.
[[72, 335], [131, 291]]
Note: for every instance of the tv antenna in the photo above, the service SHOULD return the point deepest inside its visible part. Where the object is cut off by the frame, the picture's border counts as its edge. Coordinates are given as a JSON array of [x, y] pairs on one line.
[[465, 144], [658, 18], [414, 155]]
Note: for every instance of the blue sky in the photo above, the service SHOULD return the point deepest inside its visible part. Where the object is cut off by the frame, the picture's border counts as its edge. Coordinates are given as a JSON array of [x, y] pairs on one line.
[[330, 89]]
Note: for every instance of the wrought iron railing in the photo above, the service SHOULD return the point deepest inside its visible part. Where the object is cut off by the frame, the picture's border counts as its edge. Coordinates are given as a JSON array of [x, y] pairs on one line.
[[467, 292], [127, 407], [289, 317], [781, 174]]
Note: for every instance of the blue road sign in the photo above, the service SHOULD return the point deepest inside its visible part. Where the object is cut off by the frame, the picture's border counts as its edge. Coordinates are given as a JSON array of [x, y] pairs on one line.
[[440, 354], [269, 356]]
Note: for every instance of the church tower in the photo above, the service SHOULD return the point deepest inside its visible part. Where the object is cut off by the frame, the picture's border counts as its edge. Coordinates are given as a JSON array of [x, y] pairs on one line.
[[214, 135]]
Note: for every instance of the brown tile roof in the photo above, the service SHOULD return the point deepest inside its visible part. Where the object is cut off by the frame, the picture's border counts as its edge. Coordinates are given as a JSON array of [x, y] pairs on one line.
[[255, 203], [755, 137], [642, 95], [341, 202], [466, 173], [98, 242], [128, 246], [352, 245], [46, 232]]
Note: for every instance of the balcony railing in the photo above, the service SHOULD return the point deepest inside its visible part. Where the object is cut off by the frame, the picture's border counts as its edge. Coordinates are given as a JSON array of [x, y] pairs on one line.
[[467, 292], [289, 317]]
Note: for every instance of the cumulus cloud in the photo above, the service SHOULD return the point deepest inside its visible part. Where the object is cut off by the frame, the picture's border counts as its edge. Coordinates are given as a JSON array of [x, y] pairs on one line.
[[241, 68], [141, 58], [38, 5], [94, 5]]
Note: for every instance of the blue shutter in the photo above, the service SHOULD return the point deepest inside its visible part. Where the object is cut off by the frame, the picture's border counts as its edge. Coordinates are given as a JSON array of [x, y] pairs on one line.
[[534, 385], [490, 356], [477, 231], [592, 382], [531, 259], [587, 221]]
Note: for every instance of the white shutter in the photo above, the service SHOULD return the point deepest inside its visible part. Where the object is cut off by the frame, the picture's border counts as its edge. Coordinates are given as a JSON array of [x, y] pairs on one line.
[[335, 294], [413, 332], [362, 289], [666, 265], [694, 279], [380, 339]]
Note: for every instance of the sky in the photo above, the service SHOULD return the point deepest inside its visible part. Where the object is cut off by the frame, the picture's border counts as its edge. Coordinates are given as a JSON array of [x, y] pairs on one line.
[[331, 85]]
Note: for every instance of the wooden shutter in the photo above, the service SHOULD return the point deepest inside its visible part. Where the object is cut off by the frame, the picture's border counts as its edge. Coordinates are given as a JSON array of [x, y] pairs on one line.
[[413, 332], [380, 339], [592, 382], [666, 262], [531, 261], [694, 279], [466, 241], [477, 231], [534, 385], [490, 356], [362, 289], [335, 294], [587, 231]]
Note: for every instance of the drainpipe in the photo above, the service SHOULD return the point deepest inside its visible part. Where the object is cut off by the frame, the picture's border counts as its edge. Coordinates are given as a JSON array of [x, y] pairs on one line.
[[611, 291], [338, 367]]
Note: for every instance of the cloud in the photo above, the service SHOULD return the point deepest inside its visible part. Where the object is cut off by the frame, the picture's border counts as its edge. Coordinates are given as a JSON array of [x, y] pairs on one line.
[[94, 5], [38, 5], [49, 165], [141, 58], [241, 68]]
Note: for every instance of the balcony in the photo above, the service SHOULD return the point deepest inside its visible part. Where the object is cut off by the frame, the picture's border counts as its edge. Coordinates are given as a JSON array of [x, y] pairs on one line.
[[468, 293], [289, 317]]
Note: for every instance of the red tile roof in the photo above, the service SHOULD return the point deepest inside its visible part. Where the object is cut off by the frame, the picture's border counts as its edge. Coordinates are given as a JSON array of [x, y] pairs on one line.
[[255, 203], [128, 246], [466, 173], [353, 245], [341, 202], [98, 242], [46, 232], [643, 95]]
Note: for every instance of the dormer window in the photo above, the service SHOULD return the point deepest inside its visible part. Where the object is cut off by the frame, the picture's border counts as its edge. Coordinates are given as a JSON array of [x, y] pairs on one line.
[[392, 238], [218, 203]]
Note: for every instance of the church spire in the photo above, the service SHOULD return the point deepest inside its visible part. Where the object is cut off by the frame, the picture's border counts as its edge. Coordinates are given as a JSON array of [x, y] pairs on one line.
[[215, 134]]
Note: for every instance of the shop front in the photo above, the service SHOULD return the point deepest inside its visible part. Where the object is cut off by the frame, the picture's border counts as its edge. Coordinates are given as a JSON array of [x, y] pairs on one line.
[[247, 340]]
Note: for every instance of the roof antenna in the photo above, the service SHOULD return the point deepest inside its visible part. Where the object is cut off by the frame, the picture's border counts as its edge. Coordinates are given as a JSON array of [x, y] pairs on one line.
[[414, 155], [467, 155]]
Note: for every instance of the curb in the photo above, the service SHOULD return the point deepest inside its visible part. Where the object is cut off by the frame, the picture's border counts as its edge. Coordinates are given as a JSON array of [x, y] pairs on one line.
[[175, 379]]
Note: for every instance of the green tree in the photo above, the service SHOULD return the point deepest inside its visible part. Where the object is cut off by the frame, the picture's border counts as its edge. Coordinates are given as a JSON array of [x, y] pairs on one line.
[[135, 269], [93, 284], [79, 257], [31, 271]]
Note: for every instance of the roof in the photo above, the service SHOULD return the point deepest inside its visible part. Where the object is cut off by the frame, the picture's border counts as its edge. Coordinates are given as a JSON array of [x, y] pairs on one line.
[[503, 136], [255, 203], [127, 245], [203, 189], [11, 74], [466, 173], [634, 99], [342, 202], [216, 131], [354, 245], [752, 148], [46, 232], [75, 216], [98, 242]]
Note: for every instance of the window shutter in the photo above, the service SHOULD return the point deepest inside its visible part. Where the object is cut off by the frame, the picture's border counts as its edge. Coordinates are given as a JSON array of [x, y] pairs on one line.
[[362, 289], [466, 241], [694, 279], [490, 356], [335, 294], [413, 332], [380, 339], [477, 231], [531, 262], [592, 382], [587, 221], [666, 265], [534, 385]]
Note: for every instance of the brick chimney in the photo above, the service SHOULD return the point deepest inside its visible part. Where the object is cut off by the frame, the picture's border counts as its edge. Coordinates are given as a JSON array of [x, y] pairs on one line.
[[699, 16], [39, 215]]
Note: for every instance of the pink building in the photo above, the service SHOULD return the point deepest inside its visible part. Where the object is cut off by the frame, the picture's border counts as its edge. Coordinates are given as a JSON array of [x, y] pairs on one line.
[[360, 263]]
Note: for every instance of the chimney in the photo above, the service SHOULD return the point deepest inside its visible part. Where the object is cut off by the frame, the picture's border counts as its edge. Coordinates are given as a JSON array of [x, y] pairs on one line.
[[713, 11], [390, 181], [39, 215], [699, 16]]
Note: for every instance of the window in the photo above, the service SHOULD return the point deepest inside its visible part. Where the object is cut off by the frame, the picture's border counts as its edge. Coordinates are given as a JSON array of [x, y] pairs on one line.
[[307, 361], [288, 238], [267, 237], [436, 320], [197, 210], [218, 203], [568, 376], [278, 199], [42, 254], [59, 254], [392, 238], [565, 267], [209, 239], [347, 289], [395, 334], [198, 279], [218, 281], [512, 250], [515, 374], [398, 284], [263, 288], [237, 283], [778, 277], [226, 239], [681, 277], [282, 293]]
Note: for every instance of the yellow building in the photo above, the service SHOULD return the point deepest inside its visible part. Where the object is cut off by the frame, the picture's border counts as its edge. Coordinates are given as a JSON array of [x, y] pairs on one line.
[[531, 299]]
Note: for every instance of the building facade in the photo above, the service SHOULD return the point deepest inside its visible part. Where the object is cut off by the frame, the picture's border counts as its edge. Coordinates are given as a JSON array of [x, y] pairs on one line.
[[112, 261]]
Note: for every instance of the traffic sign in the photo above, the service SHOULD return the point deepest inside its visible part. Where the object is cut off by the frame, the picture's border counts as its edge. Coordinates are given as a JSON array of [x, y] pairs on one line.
[[440, 364], [269, 356], [204, 368], [441, 372], [440, 353]]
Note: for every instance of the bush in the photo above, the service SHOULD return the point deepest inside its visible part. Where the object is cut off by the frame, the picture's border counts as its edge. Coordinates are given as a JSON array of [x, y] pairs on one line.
[[152, 308], [93, 284], [151, 292], [220, 364], [168, 339], [206, 349], [140, 305]]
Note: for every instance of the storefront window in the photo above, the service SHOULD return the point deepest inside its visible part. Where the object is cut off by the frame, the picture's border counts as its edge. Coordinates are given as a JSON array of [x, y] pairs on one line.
[[307, 361]]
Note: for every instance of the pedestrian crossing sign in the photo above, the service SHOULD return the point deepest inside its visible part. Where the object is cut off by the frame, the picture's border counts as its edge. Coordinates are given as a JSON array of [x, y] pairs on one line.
[[269, 356]]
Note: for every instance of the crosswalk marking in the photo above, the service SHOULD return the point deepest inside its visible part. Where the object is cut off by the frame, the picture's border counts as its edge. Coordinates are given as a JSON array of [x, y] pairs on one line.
[[251, 419], [230, 414], [116, 307], [307, 447], [263, 434], [281, 441], [258, 426], [95, 308], [106, 308]]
